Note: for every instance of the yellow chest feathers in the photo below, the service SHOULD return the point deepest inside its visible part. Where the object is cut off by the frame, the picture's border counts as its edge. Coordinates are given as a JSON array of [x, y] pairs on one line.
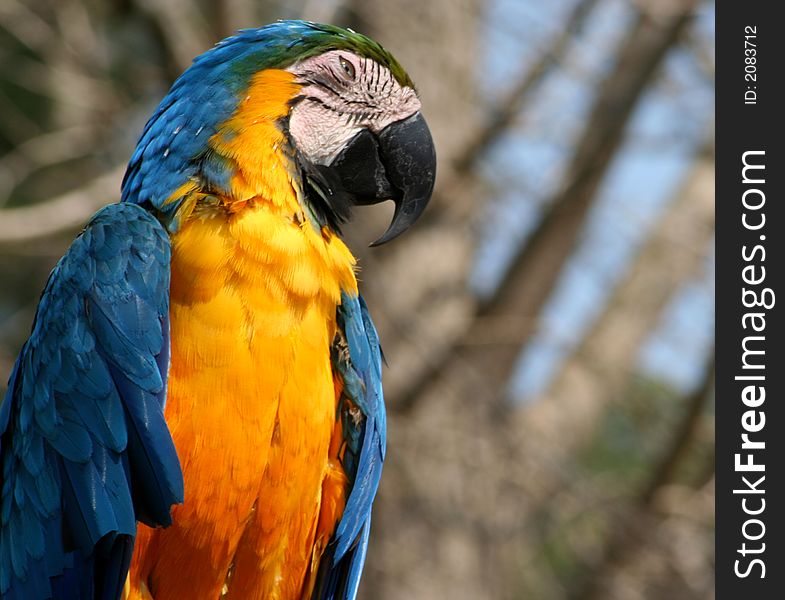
[[257, 271], [249, 263]]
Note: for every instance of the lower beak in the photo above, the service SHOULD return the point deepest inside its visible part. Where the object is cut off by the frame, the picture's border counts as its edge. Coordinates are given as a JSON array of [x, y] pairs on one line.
[[398, 164]]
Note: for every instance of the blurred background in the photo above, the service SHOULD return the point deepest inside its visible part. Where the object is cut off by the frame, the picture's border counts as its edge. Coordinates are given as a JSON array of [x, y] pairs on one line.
[[548, 324]]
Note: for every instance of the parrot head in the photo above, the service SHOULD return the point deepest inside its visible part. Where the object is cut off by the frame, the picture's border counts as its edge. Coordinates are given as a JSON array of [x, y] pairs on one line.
[[330, 107]]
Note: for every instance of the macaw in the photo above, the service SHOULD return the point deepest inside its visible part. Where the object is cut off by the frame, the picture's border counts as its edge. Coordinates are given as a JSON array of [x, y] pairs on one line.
[[198, 412]]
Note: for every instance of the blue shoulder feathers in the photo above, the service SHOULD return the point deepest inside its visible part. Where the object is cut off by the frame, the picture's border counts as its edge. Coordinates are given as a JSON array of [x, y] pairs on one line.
[[84, 448]]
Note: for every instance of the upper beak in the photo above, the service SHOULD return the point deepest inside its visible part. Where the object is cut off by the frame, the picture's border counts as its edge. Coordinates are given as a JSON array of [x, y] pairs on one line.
[[398, 164]]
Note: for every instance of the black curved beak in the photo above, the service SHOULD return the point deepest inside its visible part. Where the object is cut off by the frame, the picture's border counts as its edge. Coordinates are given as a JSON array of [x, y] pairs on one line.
[[398, 164]]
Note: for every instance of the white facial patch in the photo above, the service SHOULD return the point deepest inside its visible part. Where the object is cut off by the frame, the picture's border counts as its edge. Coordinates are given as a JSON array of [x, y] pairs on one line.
[[342, 94]]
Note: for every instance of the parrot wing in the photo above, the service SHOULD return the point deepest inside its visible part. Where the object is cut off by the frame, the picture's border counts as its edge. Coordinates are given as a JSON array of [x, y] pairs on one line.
[[357, 359], [84, 448]]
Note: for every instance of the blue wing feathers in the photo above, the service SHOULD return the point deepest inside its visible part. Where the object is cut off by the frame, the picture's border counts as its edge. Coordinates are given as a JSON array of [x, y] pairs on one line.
[[366, 361], [84, 448], [339, 575], [357, 563], [151, 450]]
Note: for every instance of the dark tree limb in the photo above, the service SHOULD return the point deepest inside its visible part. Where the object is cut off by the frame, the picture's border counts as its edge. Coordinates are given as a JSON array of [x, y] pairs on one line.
[[62, 213], [538, 264], [501, 117]]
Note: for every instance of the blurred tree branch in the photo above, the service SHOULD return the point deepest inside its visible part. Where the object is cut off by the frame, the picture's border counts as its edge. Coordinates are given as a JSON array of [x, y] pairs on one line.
[[673, 457], [182, 28], [322, 11], [592, 382], [227, 16], [599, 368], [69, 211], [629, 531], [460, 199], [703, 51], [537, 267], [50, 148], [502, 115], [498, 120]]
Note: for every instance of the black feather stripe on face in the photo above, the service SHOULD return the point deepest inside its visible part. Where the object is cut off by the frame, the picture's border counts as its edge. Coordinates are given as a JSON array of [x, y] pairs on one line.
[[329, 202]]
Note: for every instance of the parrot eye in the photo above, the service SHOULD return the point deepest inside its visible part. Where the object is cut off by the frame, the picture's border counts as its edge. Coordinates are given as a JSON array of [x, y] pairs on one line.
[[347, 67]]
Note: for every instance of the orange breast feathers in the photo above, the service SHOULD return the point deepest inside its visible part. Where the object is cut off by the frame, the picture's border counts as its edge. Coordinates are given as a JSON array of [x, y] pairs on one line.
[[252, 398]]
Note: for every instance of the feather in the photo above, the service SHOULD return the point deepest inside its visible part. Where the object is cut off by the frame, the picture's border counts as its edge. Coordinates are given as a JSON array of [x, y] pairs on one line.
[[84, 448], [360, 371]]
